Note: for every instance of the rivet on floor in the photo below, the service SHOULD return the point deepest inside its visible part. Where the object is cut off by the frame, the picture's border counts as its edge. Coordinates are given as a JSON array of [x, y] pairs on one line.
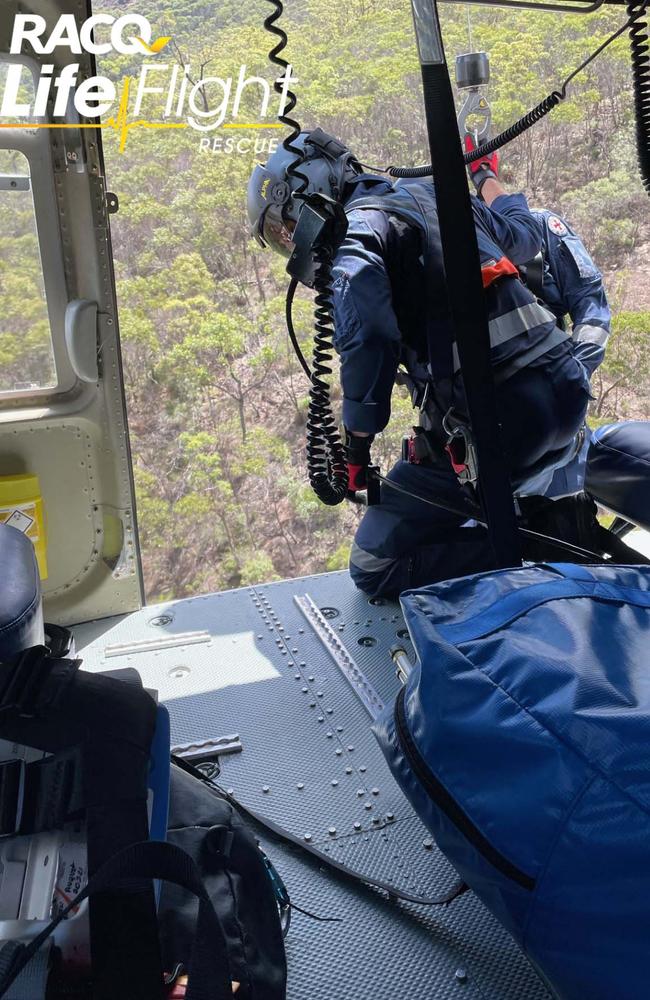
[[300, 785], [311, 678], [427, 844], [329, 711], [390, 817], [332, 831], [305, 690], [321, 718], [297, 676], [329, 734], [334, 783], [265, 788], [363, 768], [307, 837], [368, 805], [375, 791], [361, 792], [339, 729], [312, 704], [350, 748], [348, 770], [338, 751], [357, 825], [461, 975]]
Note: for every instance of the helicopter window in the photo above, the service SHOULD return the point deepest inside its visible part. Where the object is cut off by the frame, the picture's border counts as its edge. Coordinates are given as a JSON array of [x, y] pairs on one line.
[[26, 354]]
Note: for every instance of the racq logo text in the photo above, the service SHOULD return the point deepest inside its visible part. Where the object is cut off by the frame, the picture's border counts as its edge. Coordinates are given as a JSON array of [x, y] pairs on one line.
[[201, 104], [129, 34]]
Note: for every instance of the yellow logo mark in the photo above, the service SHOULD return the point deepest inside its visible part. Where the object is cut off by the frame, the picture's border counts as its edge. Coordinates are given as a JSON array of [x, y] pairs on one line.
[[156, 46], [265, 186]]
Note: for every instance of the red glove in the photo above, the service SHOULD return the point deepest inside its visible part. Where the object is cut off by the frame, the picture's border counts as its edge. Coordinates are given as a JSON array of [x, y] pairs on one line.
[[357, 453], [482, 169]]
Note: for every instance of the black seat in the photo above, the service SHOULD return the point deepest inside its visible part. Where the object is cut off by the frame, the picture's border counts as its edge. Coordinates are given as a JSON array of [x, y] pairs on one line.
[[21, 612], [618, 470]]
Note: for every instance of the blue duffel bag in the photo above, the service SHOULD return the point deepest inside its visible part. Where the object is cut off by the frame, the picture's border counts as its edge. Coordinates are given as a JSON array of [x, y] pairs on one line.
[[522, 739]]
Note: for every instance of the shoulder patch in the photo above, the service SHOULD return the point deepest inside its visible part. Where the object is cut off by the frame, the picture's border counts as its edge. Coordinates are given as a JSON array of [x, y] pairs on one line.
[[557, 226]]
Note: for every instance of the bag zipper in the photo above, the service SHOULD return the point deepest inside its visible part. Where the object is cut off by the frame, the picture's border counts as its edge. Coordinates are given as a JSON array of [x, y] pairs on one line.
[[448, 805]]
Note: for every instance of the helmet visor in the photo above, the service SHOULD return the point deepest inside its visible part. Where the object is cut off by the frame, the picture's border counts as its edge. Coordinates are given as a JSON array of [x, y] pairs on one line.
[[275, 232]]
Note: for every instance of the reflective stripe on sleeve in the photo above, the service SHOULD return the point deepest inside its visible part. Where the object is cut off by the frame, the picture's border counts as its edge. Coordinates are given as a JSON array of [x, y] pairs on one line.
[[585, 333], [367, 562], [518, 321], [514, 323]]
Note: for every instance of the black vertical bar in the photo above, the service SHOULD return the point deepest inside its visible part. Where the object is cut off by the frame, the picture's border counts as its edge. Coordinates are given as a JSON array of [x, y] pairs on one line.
[[464, 285]]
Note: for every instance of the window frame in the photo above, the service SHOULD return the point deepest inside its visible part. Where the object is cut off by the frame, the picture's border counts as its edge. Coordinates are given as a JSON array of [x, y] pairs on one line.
[[35, 145]]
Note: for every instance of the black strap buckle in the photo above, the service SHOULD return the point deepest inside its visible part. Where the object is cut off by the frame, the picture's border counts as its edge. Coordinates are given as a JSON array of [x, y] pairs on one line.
[[21, 681]]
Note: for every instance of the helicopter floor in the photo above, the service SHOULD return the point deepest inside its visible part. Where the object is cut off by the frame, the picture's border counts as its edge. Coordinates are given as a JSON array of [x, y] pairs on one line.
[[249, 662]]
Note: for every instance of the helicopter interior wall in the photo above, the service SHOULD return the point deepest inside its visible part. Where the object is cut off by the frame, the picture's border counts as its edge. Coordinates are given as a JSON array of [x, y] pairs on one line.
[[73, 435], [249, 662]]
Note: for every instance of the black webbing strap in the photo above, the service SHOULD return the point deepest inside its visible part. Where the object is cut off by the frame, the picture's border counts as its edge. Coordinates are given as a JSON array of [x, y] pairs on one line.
[[31, 983], [456, 889], [48, 705], [466, 298], [209, 975], [53, 792]]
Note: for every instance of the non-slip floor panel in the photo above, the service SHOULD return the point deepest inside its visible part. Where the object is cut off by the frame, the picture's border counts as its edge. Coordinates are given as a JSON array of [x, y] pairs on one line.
[[249, 662]]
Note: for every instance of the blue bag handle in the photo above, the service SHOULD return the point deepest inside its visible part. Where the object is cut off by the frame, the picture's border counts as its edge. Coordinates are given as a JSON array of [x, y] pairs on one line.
[[577, 582]]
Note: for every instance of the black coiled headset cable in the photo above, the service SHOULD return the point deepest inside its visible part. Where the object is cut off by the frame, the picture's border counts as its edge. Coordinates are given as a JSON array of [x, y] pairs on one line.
[[326, 463], [641, 80]]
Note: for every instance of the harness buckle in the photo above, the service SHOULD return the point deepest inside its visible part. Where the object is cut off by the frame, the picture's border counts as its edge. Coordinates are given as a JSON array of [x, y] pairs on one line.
[[460, 447]]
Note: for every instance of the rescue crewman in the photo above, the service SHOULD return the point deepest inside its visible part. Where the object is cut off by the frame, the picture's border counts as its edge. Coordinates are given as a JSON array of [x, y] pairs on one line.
[[390, 312]]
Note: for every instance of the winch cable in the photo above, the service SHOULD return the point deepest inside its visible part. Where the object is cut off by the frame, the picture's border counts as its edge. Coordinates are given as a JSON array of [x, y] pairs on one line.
[[641, 81], [326, 463], [466, 299], [476, 515]]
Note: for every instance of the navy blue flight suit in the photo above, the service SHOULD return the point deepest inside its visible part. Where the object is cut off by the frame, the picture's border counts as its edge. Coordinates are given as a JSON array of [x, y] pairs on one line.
[[573, 286], [381, 316]]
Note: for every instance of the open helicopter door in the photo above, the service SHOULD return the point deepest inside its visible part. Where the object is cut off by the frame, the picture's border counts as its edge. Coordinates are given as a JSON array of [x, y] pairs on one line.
[[65, 465]]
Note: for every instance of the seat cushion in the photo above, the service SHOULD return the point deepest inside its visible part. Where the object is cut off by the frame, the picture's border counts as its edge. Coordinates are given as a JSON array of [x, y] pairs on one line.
[[21, 613], [618, 470]]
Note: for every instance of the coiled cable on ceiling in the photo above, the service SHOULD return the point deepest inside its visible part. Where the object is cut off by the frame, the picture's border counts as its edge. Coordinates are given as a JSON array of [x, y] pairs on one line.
[[641, 80]]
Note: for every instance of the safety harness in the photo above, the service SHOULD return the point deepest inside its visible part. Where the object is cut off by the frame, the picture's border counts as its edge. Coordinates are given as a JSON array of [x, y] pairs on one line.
[[433, 385]]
